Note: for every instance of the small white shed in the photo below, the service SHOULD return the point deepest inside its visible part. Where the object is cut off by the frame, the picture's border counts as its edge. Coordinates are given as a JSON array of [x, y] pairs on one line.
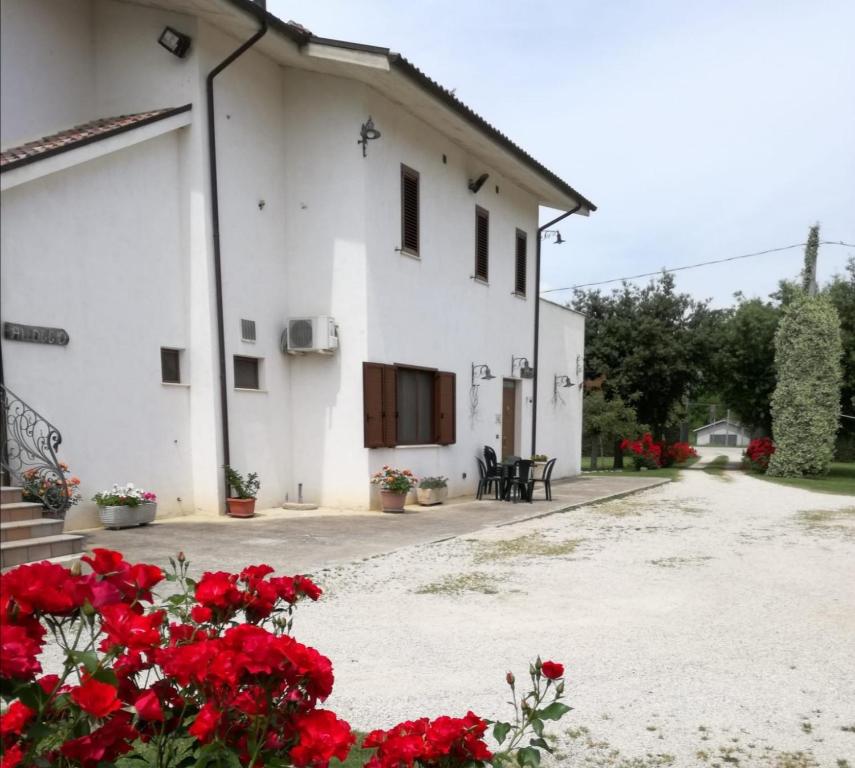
[[723, 433]]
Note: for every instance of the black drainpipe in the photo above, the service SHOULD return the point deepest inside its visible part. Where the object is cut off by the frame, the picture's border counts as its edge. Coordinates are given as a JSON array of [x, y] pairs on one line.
[[537, 325], [215, 228]]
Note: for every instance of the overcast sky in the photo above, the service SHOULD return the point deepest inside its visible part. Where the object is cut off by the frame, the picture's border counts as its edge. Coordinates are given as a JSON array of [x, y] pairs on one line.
[[700, 130]]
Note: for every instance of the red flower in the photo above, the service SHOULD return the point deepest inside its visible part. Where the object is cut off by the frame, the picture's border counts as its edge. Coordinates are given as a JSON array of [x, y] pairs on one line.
[[201, 614], [15, 719], [97, 698], [125, 627], [320, 737], [148, 706], [12, 757], [41, 588], [206, 723], [103, 744], [218, 591], [106, 562], [18, 652], [552, 670]]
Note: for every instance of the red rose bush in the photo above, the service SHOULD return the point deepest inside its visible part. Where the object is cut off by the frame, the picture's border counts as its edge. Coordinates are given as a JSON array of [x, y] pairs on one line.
[[758, 453], [646, 453], [209, 676]]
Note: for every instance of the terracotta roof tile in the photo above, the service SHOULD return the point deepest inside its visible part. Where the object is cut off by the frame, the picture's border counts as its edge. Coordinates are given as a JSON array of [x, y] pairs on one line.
[[81, 135]]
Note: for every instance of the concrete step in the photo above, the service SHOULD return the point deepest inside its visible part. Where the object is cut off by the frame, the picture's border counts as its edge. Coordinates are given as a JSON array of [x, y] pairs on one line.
[[30, 529], [65, 560], [31, 550], [9, 494], [20, 510]]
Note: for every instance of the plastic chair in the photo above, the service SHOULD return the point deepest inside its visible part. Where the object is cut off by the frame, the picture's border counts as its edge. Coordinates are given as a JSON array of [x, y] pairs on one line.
[[521, 484], [485, 481], [491, 461], [546, 479]]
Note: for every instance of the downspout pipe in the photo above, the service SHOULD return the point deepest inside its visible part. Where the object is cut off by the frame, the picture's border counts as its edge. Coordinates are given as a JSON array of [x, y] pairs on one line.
[[536, 357], [215, 230]]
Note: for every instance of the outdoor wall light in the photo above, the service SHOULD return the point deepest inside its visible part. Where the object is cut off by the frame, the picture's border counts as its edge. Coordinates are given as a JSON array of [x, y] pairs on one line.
[[367, 133], [561, 381], [482, 372], [475, 185], [553, 234], [525, 369], [175, 42]]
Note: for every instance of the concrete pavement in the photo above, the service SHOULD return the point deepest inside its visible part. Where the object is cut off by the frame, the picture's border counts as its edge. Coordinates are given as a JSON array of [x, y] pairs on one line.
[[303, 542]]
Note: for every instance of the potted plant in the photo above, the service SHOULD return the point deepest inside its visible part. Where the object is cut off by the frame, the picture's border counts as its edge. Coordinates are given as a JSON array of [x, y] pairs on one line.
[[245, 489], [123, 506], [539, 460], [432, 490], [394, 485]]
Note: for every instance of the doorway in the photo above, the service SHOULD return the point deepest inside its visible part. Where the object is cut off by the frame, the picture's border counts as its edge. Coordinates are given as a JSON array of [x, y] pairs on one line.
[[509, 417]]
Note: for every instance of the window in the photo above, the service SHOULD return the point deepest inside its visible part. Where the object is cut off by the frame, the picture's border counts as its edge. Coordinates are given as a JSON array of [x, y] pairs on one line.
[[404, 405], [482, 244], [521, 263], [170, 365], [247, 373], [409, 211], [247, 330]]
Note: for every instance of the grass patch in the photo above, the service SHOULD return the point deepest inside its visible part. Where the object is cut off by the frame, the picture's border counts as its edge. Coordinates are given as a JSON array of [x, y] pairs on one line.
[[530, 545], [717, 467], [840, 480], [679, 562], [476, 581], [605, 468], [840, 521]]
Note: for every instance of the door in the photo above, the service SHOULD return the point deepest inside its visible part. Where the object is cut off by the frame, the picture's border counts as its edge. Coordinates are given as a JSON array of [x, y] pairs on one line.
[[509, 417]]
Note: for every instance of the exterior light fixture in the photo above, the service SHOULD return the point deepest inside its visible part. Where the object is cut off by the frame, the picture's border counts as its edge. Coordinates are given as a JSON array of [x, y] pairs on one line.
[[482, 372], [177, 43], [554, 234], [476, 184], [367, 133], [560, 381], [525, 369]]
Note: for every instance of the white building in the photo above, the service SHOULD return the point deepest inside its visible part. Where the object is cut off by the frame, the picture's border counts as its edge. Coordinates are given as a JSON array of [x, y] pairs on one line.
[[722, 433], [109, 233]]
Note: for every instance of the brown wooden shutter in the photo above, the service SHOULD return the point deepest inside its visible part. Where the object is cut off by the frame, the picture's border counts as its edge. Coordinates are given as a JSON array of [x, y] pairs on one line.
[[409, 210], [521, 263], [390, 406], [372, 398], [444, 408], [482, 243]]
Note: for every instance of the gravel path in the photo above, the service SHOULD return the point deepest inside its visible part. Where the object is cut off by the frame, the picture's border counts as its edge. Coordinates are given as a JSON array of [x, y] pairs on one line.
[[707, 622]]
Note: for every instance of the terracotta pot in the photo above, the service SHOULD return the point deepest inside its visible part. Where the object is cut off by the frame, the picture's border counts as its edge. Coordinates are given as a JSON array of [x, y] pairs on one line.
[[241, 507], [392, 501], [428, 497]]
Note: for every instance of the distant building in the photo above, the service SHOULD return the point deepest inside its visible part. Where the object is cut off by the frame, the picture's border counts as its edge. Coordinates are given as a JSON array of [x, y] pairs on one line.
[[722, 433]]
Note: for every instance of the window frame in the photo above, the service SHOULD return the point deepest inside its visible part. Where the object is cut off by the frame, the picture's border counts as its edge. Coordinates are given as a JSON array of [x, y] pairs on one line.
[[258, 373], [178, 366], [413, 175], [521, 236], [482, 214], [431, 419]]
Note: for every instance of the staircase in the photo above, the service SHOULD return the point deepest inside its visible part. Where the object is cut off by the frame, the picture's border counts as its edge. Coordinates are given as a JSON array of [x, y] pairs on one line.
[[26, 536]]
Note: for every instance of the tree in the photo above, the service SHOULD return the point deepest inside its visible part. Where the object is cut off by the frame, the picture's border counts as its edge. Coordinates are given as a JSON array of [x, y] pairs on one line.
[[806, 401], [652, 343], [811, 254], [841, 292], [605, 421]]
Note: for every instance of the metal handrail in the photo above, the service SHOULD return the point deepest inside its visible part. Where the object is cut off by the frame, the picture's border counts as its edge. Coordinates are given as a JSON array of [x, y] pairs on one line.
[[28, 454]]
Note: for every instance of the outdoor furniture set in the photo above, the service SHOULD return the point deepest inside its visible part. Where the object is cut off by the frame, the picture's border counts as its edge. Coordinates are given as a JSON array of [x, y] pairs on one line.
[[512, 479]]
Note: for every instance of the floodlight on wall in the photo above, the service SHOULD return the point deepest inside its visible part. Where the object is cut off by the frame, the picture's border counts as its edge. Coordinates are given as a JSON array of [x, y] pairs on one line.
[[367, 133], [481, 372], [552, 234], [476, 184], [177, 43]]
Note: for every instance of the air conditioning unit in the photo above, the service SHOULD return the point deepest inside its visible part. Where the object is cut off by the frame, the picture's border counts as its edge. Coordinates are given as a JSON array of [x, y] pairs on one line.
[[311, 334]]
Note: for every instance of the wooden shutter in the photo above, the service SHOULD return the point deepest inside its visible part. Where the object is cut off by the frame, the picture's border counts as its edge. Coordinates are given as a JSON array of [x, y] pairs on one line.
[[521, 263], [390, 406], [482, 244], [379, 401], [444, 411], [409, 210]]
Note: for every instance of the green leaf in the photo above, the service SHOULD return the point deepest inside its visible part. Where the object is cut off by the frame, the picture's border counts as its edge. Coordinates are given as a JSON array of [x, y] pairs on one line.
[[542, 744], [88, 659], [528, 756], [106, 676], [500, 731], [554, 711], [537, 726]]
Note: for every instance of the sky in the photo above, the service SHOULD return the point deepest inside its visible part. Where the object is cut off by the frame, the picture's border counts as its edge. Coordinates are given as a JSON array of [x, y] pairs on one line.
[[700, 130]]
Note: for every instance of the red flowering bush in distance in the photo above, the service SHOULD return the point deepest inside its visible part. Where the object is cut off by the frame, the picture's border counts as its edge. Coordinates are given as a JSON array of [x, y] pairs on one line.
[[758, 453], [211, 676], [645, 453], [677, 453]]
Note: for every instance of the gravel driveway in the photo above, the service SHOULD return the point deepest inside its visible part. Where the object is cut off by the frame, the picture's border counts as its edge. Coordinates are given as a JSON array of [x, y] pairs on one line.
[[707, 622]]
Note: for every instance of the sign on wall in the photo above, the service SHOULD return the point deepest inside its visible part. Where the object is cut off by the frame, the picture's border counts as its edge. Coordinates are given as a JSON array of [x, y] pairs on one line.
[[35, 334]]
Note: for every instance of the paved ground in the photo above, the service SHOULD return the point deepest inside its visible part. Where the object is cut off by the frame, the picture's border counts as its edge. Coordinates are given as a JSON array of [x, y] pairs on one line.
[[302, 542]]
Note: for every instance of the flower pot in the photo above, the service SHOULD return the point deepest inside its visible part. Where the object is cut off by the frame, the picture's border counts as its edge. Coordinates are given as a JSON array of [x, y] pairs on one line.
[[430, 496], [241, 507], [537, 470], [392, 501], [146, 512], [125, 516]]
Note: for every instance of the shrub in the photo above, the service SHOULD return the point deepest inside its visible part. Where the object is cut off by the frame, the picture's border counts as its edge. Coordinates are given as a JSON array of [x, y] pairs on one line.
[[646, 454], [210, 676], [396, 480], [243, 487], [758, 453], [806, 402], [433, 482], [678, 453]]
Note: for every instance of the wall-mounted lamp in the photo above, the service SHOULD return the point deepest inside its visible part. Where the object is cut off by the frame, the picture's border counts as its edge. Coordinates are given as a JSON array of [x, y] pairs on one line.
[[482, 372], [560, 381], [177, 43], [552, 234], [476, 184], [367, 133], [525, 370]]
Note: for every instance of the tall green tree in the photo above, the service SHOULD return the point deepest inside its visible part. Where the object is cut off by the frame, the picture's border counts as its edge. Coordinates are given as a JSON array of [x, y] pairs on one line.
[[606, 421], [811, 255], [652, 343]]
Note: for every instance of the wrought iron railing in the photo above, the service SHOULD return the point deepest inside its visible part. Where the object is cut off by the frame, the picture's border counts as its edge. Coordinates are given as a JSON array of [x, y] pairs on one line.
[[28, 455]]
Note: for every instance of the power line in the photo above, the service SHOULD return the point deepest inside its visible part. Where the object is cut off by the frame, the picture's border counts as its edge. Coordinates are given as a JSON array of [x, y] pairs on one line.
[[699, 264]]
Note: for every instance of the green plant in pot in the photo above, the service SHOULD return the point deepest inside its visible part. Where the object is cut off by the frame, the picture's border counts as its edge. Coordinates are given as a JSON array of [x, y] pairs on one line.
[[432, 490], [394, 485], [244, 490]]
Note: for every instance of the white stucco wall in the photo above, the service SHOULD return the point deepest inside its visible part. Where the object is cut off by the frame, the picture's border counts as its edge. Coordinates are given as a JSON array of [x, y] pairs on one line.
[[559, 419]]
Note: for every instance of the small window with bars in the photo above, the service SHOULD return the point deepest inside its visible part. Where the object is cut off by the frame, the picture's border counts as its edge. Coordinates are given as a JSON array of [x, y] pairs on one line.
[[170, 365], [247, 372], [409, 211], [521, 263], [482, 244], [247, 330]]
